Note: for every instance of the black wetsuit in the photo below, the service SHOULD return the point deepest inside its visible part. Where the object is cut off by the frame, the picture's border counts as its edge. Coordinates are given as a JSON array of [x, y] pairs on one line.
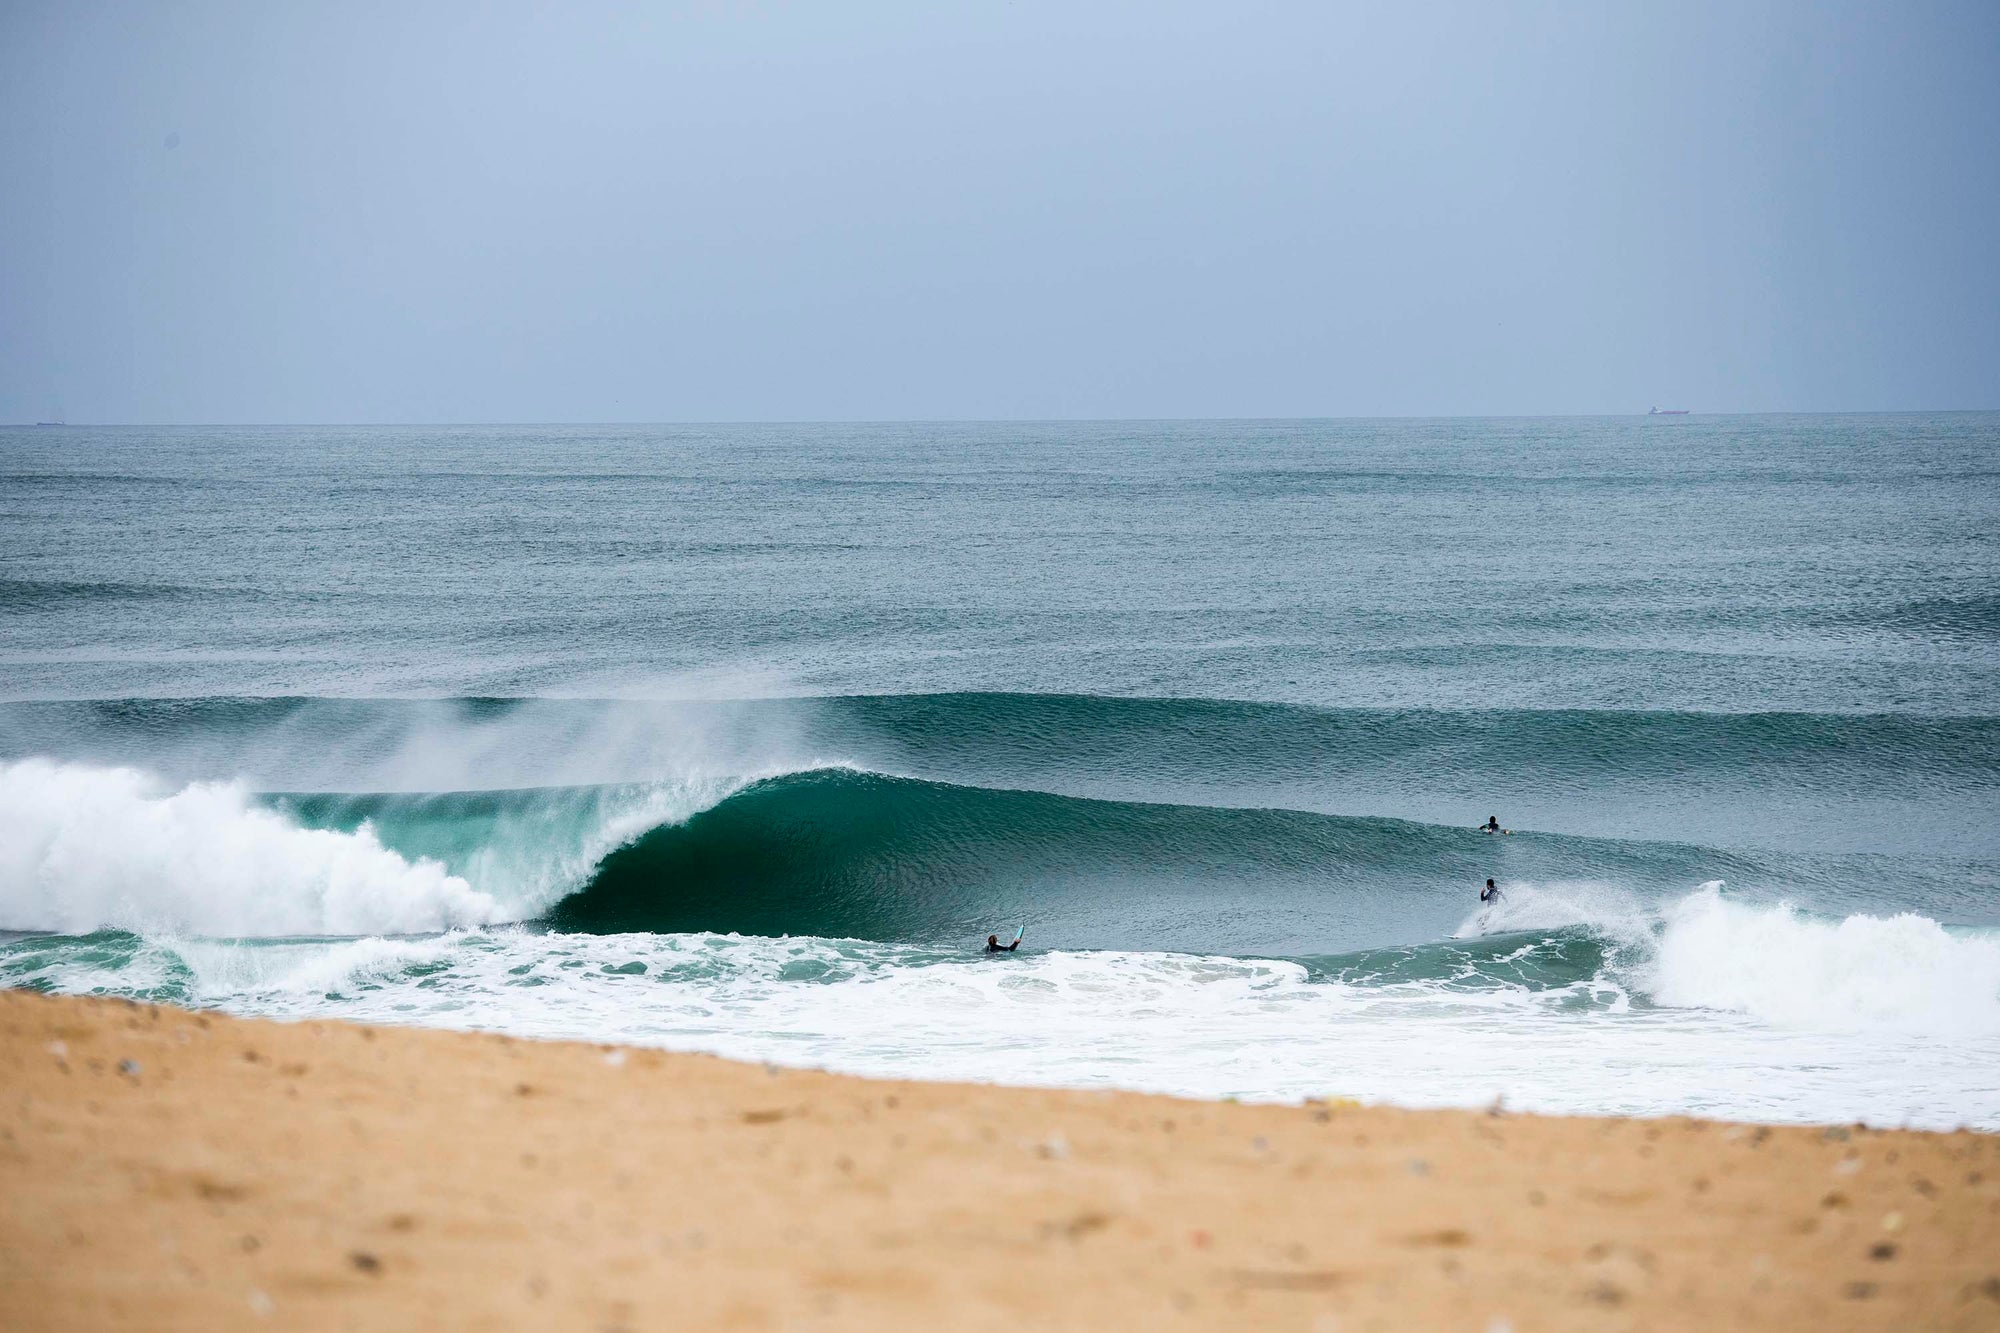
[[991, 947]]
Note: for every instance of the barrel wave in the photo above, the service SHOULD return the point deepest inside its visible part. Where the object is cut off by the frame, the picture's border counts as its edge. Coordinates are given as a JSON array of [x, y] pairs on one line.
[[836, 852], [848, 854]]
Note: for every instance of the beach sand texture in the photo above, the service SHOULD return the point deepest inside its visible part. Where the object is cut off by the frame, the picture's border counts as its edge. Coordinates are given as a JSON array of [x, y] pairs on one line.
[[171, 1170]]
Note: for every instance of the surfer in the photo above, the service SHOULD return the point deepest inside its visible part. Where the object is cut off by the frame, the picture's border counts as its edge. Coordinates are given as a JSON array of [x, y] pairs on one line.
[[1492, 824], [1490, 894], [993, 944]]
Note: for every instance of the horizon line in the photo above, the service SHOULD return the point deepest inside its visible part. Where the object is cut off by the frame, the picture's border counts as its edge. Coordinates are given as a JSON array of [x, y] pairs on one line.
[[1007, 421]]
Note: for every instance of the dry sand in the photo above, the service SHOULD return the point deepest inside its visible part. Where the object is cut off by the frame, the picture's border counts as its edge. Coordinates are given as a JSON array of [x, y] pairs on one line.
[[164, 1169]]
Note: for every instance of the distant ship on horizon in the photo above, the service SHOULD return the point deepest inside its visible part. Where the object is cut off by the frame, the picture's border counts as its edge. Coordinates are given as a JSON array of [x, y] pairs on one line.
[[1667, 412]]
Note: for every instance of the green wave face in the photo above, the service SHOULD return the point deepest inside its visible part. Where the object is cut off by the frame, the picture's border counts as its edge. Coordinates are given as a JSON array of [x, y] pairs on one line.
[[843, 854]]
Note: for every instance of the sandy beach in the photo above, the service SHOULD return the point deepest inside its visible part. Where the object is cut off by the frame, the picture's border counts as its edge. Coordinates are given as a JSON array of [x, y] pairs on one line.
[[168, 1169]]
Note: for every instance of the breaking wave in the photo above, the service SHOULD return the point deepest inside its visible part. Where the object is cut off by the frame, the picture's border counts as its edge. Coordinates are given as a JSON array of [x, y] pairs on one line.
[[831, 852], [83, 848]]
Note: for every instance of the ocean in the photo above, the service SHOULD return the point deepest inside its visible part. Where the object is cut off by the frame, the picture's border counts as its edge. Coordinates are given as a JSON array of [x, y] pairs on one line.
[[743, 738]]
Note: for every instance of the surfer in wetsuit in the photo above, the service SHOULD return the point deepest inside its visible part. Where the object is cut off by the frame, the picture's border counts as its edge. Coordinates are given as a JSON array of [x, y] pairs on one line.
[[1490, 894], [1492, 824], [993, 944]]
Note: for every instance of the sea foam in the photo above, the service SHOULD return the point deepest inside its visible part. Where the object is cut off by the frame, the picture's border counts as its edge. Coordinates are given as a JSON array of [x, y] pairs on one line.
[[1176, 1023], [1772, 961], [83, 848], [1902, 973]]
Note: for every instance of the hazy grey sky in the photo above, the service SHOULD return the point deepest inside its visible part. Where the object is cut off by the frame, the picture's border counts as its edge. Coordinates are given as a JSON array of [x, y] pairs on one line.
[[588, 212]]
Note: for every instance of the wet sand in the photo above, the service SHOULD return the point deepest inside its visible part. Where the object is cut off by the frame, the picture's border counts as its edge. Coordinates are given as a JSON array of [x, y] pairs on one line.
[[171, 1170]]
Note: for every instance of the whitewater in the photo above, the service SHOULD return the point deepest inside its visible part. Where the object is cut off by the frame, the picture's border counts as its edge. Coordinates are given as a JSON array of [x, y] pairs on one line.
[[743, 739]]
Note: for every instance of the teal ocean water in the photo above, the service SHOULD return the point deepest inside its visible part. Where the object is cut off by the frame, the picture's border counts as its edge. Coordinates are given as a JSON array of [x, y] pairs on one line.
[[743, 738]]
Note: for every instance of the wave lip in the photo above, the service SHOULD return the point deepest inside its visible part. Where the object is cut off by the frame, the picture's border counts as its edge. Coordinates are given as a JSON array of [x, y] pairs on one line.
[[527, 849], [84, 848]]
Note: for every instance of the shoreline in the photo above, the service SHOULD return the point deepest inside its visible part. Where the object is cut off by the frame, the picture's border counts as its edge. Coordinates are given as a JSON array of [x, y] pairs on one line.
[[181, 1169]]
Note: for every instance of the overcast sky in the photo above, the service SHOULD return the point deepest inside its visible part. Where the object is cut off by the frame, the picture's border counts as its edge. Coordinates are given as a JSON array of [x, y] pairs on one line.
[[405, 212]]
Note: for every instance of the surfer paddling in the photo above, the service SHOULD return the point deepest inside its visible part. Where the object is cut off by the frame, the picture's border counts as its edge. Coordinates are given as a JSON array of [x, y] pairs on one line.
[[1492, 825], [993, 944]]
